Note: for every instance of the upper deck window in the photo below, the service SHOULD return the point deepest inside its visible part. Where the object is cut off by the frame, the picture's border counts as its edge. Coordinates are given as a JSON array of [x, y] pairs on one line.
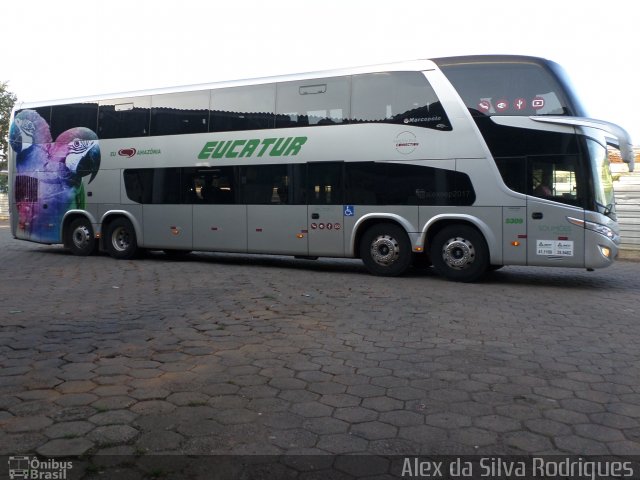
[[243, 108], [404, 98], [397, 97], [512, 87], [313, 102], [180, 113], [65, 117], [124, 117]]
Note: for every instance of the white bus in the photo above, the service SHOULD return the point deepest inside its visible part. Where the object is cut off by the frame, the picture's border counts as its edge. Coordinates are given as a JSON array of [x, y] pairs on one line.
[[464, 163]]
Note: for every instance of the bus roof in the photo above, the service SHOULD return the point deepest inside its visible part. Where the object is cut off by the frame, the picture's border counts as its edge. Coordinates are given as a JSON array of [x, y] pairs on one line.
[[476, 59], [412, 65]]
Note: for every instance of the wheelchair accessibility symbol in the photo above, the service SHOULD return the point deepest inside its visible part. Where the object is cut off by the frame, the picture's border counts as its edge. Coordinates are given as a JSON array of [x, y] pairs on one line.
[[348, 211]]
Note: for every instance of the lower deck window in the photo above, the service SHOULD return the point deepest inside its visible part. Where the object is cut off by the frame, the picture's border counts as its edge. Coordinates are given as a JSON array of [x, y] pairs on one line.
[[326, 183]]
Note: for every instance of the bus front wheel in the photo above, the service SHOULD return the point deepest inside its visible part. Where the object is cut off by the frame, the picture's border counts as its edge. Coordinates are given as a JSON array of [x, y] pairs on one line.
[[121, 242], [385, 250], [460, 253]]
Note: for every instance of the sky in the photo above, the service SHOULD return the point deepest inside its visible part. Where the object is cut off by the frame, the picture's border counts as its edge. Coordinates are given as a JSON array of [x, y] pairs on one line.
[[72, 48]]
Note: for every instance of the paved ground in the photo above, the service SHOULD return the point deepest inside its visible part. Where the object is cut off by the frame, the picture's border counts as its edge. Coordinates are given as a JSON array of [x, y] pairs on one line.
[[219, 354]]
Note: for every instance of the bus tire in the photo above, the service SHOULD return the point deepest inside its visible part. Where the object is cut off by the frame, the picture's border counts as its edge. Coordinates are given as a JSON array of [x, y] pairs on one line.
[[80, 238], [460, 253], [385, 250], [121, 242]]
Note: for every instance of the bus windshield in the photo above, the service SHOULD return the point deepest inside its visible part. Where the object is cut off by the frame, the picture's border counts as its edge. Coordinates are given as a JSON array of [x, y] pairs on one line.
[[520, 86], [602, 180]]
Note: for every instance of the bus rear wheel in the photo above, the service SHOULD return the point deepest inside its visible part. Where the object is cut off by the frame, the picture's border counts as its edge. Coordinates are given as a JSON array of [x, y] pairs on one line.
[[385, 250], [460, 253], [80, 239], [121, 242]]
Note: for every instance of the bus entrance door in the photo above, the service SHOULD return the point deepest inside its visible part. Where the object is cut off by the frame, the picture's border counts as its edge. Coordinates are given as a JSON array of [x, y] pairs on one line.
[[325, 209], [326, 236], [553, 187], [276, 212]]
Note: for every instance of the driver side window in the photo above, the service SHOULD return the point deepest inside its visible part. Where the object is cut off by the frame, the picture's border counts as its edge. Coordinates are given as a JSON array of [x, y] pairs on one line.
[[554, 177]]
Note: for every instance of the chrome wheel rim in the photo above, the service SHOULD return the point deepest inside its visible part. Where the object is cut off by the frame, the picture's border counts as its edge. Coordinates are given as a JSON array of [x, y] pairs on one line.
[[458, 253], [81, 237], [385, 250], [120, 239]]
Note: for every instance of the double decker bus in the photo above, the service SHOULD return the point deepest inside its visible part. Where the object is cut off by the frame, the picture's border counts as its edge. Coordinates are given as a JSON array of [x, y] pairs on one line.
[[463, 163]]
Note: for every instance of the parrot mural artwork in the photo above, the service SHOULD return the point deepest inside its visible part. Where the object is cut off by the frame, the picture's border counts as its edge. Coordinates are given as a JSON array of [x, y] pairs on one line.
[[48, 174]]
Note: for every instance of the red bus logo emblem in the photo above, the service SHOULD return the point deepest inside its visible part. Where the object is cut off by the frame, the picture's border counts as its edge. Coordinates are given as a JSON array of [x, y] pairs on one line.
[[127, 152]]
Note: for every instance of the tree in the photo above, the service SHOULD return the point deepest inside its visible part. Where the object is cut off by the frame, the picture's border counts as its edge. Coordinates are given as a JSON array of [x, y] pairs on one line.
[[7, 101]]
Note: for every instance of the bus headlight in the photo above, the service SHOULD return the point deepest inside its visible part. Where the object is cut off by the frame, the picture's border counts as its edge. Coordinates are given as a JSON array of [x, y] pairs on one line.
[[601, 229], [595, 227], [605, 251]]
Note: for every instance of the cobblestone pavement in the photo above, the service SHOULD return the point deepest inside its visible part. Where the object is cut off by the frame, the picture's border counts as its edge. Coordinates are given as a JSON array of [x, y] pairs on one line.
[[224, 354]]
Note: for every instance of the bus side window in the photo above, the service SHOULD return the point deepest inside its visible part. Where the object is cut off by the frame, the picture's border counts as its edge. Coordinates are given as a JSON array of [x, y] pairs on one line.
[[313, 102], [264, 184], [324, 186], [555, 177], [218, 186], [542, 183], [138, 183], [514, 172], [243, 108], [65, 117], [397, 97], [180, 113], [124, 117], [382, 183], [167, 186]]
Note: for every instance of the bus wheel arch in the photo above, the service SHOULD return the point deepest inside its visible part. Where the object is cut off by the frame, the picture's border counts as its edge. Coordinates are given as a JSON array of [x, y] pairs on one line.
[[78, 235], [384, 247], [459, 250]]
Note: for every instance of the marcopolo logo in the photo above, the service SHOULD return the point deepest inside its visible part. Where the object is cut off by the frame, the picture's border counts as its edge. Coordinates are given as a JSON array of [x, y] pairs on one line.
[[33, 468], [274, 147], [432, 119]]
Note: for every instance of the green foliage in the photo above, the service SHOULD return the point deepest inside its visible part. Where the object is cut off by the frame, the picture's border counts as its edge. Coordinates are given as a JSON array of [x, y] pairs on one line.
[[7, 101]]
